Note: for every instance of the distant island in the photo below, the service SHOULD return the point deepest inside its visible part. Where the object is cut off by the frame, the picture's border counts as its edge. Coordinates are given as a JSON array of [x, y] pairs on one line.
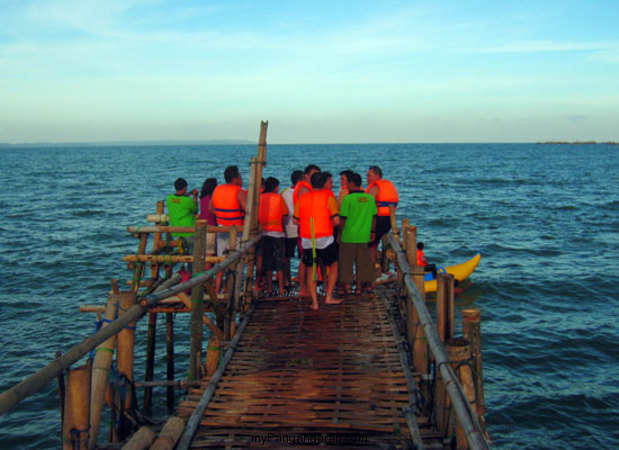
[[579, 143], [131, 143]]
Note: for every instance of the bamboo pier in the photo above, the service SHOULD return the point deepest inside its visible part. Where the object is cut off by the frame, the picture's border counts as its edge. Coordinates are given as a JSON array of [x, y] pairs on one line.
[[376, 371]]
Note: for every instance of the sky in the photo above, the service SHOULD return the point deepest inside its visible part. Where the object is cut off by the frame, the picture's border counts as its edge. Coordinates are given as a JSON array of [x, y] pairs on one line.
[[318, 71]]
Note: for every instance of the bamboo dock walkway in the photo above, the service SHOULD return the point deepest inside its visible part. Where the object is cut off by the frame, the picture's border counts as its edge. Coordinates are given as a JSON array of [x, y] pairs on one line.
[[376, 371], [333, 374]]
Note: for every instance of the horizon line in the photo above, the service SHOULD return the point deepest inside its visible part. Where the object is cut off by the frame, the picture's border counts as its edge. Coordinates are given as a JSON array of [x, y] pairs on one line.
[[250, 142]]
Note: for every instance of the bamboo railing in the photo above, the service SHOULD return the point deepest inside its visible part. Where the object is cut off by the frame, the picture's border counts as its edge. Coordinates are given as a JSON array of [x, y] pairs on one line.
[[467, 417]]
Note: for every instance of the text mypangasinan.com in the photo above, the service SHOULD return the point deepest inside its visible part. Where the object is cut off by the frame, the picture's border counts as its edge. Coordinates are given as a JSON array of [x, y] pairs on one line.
[[308, 439]]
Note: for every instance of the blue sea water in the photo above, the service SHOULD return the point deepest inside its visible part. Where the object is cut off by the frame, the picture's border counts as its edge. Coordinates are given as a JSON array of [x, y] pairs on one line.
[[544, 217]]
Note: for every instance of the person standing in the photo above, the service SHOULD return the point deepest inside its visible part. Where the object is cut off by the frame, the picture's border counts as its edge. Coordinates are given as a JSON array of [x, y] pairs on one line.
[[291, 229], [228, 203], [358, 222], [303, 187], [385, 194], [272, 215], [316, 213], [206, 193], [182, 211]]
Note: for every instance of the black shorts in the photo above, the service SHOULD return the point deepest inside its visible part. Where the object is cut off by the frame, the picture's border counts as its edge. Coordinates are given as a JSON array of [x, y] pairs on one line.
[[291, 245], [325, 256], [273, 253], [383, 225]]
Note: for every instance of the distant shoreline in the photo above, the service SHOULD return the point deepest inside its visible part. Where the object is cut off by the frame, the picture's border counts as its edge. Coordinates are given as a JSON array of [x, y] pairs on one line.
[[249, 142], [578, 143], [130, 143]]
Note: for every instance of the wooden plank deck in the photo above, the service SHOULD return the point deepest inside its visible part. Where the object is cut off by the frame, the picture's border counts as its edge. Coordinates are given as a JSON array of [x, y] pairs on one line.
[[328, 377]]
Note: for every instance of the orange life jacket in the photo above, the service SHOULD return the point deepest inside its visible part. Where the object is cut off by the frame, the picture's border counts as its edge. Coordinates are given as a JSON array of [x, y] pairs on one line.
[[420, 258], [226, 205], [313, 205], [271, 211], [387, 195], [295, 194]]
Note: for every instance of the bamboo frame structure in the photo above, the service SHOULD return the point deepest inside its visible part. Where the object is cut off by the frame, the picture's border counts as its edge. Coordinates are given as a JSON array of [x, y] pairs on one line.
[[398, 400], [466, 416]]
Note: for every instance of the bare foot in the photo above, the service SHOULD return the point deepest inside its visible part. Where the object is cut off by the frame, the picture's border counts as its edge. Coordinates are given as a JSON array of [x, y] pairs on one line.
[[331, 301], [314, 306]]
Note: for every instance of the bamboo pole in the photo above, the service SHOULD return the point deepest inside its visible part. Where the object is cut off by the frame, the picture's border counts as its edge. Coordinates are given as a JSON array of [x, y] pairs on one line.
[[170, 360], [243, 299], [445, 306], [141, 439], [150, 360], [170, 434], [154, 270], [421, 355], [461, 406], [62, 393], [76, 428], [231, 283], [471, 325], [167, 229], [15, 394], [250, 226], [197, 303], [138, 272], [459, 357], [169, 259], [101, 370], [125, 346], [213, 353], [157, 236]]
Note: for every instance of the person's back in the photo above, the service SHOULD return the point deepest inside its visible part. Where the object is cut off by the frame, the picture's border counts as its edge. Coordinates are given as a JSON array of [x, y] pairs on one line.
[[358, 218], [226, 206], [359, 209], [181, 208], [272, 212]]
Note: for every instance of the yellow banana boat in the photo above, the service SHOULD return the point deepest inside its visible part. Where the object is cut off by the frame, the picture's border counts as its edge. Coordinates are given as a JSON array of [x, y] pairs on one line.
[[459, 271]]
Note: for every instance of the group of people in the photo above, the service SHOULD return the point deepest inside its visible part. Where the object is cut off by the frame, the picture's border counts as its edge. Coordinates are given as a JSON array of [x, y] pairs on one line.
[[334, 235]]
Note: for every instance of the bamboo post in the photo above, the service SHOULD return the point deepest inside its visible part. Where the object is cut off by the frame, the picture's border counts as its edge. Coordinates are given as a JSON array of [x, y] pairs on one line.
[[170, 434], [409, 237], [150, 360], [444, 420], [471, 321], [154, 270], [125, 346], [250, 227], [138, 271], [460, 358], [213, 353], [101, 371], [62, 392], [445, 306], [141, 439], [230, 282], [76, 425], [170, 359], [197, 302], [157, 236], [420, 343]]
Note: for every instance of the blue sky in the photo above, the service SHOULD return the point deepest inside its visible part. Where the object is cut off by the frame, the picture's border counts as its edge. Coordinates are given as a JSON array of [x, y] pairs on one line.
[[318, 71]]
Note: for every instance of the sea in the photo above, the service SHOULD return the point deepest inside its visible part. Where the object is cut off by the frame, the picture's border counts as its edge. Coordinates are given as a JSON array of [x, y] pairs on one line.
[[545, 218]]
